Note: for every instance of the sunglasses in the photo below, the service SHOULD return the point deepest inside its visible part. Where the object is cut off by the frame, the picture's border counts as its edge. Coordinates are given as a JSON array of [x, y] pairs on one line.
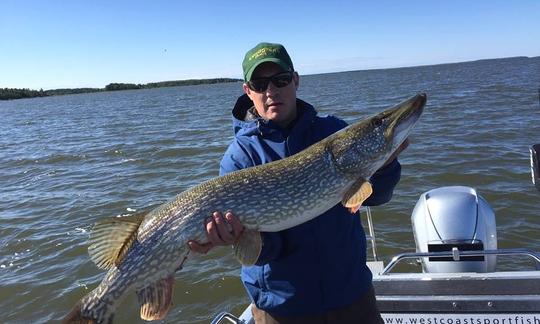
[[280, 80]]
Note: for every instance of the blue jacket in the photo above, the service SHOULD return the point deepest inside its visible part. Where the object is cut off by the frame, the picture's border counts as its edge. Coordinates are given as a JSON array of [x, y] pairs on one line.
[[319, 265]]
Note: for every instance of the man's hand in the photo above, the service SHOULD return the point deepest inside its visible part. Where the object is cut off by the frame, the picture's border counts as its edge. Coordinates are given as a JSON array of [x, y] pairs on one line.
[[219, 231], [400, 149]]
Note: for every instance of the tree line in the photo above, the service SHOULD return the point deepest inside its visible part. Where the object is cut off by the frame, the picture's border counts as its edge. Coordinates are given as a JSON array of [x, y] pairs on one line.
[[13, 93], [7, 93], [177, 83]]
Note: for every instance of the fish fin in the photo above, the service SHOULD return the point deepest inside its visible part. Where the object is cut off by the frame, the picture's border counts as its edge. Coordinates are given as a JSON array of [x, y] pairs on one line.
[[248, 247], [357, 194], [155, 300], [354, 209], [111, 239]]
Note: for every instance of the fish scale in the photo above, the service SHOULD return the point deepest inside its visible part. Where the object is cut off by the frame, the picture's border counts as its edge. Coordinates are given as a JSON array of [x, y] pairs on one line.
[[268, 198]]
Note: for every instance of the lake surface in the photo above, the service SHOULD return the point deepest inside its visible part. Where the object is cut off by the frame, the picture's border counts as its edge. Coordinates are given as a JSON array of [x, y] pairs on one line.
[[69, 161]]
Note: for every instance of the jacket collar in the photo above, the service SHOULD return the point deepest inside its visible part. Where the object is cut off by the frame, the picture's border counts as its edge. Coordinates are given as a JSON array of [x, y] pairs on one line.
[[246, 123]]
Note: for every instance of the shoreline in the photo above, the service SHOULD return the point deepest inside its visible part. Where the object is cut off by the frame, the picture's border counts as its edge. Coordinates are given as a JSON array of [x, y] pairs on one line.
[[17, 93]]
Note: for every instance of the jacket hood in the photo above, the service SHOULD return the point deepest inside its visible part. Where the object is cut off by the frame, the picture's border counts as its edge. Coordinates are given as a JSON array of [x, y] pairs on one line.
[[246, 123]]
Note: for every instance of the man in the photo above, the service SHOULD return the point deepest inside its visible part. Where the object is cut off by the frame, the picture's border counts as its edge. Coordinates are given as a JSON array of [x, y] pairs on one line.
[[315, 272]]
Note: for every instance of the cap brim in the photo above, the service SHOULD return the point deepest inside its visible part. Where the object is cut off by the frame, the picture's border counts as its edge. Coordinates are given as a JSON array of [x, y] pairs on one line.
[[279, 62]]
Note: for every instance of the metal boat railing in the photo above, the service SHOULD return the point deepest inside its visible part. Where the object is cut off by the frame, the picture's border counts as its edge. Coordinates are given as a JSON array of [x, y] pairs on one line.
[[371, 236], [457, 254], [230, 318]]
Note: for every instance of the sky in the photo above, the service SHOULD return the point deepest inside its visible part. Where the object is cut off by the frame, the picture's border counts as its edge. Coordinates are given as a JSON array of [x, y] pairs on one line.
[[71, 44]]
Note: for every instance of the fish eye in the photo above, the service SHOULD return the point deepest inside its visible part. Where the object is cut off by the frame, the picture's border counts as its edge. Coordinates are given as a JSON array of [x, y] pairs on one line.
[[377, 122]]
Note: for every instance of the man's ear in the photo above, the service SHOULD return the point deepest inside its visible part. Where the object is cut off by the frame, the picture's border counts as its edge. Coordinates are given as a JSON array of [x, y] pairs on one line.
[[296, 79], [247, 90]]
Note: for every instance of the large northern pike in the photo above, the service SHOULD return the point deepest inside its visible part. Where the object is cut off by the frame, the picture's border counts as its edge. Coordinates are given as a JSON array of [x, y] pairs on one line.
[[143, 252]]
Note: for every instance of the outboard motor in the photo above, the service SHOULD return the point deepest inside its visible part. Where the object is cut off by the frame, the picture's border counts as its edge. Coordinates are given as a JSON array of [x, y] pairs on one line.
[[454, 217]]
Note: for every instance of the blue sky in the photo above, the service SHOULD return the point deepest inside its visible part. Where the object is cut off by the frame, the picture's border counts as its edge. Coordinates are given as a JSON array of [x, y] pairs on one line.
[[68, 44]]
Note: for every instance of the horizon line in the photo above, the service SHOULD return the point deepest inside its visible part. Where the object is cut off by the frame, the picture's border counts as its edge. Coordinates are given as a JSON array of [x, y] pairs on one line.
[[318, 73]]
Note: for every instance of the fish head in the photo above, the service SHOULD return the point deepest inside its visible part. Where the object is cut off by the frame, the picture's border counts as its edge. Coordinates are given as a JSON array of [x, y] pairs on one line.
[[362, 148]]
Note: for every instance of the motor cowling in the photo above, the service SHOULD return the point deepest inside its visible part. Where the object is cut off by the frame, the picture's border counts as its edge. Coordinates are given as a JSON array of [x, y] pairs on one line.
[[454, 217]]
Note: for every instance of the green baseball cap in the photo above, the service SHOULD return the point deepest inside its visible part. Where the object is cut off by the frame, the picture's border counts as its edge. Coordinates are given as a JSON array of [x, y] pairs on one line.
[[266, 52]]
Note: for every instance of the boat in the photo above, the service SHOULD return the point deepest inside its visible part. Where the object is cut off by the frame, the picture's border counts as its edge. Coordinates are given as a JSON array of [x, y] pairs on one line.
[[456, 245]]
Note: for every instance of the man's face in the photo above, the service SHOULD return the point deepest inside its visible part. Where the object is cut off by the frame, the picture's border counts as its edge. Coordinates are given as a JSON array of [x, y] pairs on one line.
[[275, 104]]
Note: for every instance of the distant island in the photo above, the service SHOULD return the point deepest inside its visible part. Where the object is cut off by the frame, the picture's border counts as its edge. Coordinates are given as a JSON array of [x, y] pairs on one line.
[[10, 93]]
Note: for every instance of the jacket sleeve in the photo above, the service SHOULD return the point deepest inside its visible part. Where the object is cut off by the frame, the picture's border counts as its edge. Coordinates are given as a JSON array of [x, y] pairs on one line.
[[234, 159], [383, 182]]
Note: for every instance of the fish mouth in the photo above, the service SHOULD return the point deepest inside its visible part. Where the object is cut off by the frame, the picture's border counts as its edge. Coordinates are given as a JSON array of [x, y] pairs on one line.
[[407, 114]]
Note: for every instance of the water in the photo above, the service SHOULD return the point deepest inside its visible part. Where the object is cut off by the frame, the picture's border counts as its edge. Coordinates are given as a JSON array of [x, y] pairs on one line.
[[69, 161]]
